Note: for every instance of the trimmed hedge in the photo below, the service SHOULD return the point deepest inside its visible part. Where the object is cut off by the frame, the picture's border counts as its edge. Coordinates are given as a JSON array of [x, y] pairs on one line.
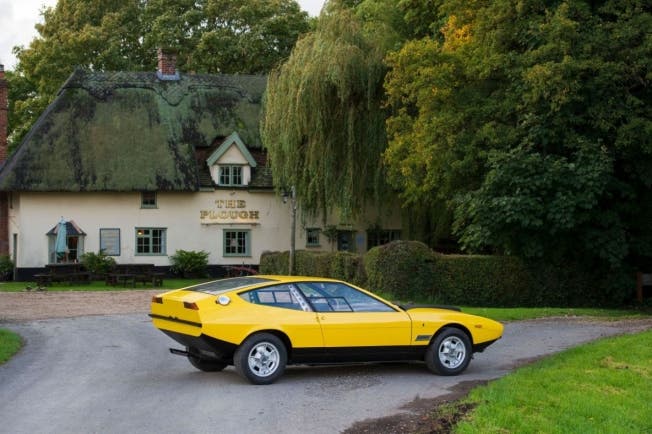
[[480, 280], [400, 269], [410, 271], [336, 265]]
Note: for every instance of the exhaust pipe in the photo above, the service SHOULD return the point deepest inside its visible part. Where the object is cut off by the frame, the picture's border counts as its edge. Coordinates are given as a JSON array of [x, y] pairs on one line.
[[179, 352]]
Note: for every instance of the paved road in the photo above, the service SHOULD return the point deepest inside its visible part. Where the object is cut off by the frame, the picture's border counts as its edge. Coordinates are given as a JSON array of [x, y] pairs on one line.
[[113, 374]]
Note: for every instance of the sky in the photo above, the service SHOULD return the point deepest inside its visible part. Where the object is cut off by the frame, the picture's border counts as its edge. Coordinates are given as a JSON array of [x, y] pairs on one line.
[[18, 17]]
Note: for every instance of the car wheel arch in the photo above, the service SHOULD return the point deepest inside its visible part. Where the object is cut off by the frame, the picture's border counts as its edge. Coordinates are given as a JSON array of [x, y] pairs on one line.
[[279, 334], [455, 326]]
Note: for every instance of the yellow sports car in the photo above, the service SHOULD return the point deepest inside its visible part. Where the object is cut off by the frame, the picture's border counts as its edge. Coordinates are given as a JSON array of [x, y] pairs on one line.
[[260, 324]]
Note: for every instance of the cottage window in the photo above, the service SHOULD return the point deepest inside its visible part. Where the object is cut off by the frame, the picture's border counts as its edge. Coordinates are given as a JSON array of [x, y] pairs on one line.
[[150, 241], [69, 250], [237, 243], [230, 175], [148, 199], [380, 237], [110, 241], [312, 237]]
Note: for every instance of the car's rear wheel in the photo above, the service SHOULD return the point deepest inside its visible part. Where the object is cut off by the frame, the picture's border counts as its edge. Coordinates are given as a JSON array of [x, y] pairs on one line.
[[261, 358], [205, 365], [450, 352]]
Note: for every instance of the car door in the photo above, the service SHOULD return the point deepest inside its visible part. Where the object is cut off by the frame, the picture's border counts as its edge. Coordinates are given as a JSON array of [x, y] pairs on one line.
[[350, 318], [283, 308]]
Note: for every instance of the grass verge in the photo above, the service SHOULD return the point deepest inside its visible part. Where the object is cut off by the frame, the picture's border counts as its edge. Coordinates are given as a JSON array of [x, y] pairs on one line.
[[98, 286], [525, 313], [604, 386], [10, 343]]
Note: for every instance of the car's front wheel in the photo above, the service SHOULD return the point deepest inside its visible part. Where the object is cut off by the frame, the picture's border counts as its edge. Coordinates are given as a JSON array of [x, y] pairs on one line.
[[261, 358], [450, 352], [206, 365]]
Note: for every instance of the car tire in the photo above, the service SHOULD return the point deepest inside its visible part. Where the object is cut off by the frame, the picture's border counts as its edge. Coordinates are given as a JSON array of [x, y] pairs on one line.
[[450, 352], [261, 358], [205, 365]]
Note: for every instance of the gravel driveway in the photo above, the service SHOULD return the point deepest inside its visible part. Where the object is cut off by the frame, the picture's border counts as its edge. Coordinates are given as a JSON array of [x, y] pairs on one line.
[[111, 373]]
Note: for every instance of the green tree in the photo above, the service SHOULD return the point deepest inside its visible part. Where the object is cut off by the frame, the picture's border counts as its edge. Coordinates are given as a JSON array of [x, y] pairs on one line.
[[323, 125], [531, 120], [210, 36]]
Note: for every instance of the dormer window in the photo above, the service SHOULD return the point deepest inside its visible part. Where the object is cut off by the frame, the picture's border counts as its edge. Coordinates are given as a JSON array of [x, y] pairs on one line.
[[230, 175], [231, 163]]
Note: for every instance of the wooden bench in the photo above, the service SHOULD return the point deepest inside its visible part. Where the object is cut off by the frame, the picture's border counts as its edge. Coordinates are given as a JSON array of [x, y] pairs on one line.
[[63, 273], [134, 273]]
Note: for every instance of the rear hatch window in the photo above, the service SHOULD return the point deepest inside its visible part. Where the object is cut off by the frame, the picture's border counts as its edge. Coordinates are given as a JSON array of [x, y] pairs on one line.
[[218, 286]]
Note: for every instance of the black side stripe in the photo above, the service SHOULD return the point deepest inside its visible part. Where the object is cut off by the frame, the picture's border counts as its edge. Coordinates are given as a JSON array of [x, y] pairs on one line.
[[173, 319]]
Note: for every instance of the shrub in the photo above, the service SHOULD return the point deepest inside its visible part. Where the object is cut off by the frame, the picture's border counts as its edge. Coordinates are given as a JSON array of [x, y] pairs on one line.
[[336, 265], [506, 281], [6, 267], [274, 262], [311, 263], [402, 269], [348, 267], [189, 263], [97, 263], [482, 280]]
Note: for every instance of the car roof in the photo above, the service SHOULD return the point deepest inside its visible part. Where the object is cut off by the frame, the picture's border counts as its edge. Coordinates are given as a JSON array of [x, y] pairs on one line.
[[288, 279], [251, 282]]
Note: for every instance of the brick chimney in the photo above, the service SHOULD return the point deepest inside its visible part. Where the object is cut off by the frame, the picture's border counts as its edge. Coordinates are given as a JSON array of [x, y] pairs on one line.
[[4, 197], [4, 120], [167, 64]]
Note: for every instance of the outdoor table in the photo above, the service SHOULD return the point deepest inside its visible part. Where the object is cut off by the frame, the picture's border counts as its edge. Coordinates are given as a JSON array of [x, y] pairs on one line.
[[115, 278]]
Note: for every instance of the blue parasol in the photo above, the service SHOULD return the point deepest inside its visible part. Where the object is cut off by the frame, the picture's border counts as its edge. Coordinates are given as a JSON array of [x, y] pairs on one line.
[[61, 242]]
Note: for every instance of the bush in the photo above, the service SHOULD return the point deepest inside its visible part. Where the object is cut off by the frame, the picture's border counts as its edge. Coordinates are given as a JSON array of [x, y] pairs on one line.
[[274, 263], [311, 263], [6, 267], [506, 281], [189, 263], [336, 265], [401, 269], [481, 280], [97, 263], [576, 285], [348, 267]]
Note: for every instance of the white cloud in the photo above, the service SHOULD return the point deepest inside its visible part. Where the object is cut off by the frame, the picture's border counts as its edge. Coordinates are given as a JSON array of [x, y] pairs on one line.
[[18, 17], [17, 20]]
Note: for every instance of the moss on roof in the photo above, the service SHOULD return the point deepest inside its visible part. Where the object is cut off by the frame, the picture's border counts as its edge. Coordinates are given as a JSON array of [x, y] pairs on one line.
[[132, 132]]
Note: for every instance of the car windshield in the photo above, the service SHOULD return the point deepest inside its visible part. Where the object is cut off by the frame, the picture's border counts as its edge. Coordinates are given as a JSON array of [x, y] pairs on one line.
[[219, 286]]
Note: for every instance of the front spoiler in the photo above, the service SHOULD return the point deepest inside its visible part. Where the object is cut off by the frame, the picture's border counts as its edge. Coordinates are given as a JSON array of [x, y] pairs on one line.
[[478, 348]]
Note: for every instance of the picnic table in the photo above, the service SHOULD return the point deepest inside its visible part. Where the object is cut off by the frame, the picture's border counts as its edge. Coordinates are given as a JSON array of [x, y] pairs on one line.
[[63, 272], [134, 273]]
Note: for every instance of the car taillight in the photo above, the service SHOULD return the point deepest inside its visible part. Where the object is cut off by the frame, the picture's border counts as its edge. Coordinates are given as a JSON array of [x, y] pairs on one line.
[[157, 299], [189, 305]]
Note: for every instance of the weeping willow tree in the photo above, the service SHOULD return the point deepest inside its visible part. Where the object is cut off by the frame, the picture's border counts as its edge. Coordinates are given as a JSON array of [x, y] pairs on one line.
[[323, 124]]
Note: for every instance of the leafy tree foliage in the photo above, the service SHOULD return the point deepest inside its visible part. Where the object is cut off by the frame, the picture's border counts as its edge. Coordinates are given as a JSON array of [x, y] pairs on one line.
[[323, 125], [532, 121], [210, 36]]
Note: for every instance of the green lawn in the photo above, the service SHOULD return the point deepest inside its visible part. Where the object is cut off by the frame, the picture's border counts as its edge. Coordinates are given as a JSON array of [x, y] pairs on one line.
[[10, 343], [523, 313], [98, 286], [601, 387]]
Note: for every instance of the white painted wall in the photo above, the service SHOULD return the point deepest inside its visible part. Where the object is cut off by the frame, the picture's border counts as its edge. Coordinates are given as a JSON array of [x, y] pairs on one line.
[[32, 215]]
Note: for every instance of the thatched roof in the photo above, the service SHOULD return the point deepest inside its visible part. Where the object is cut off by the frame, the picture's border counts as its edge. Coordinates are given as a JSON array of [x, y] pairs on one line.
[[133, 132]]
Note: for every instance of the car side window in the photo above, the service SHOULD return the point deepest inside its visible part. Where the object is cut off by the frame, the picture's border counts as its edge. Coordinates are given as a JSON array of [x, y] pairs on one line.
[[338, 297], [283, 296]]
